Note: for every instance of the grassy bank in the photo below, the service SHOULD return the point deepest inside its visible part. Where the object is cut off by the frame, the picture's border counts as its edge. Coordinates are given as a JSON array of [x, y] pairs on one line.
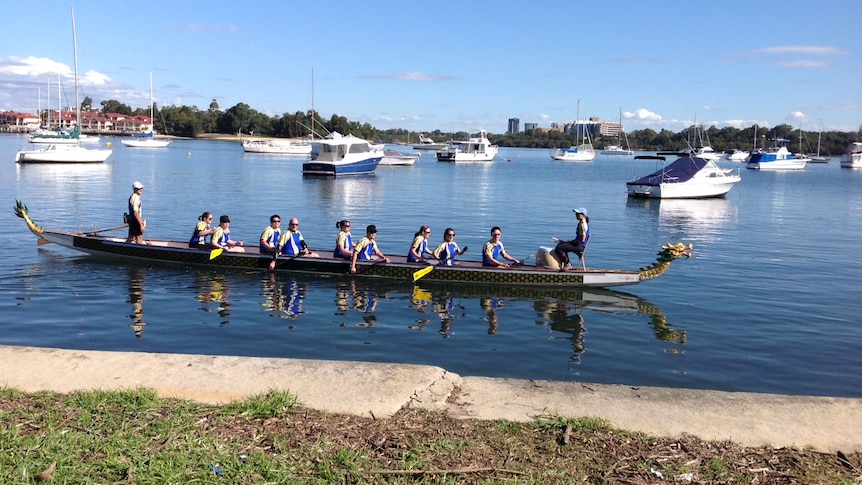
[[137, 437]]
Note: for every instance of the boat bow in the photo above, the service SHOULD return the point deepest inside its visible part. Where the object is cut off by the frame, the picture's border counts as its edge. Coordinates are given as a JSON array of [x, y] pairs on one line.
[[668, 254], [22, 212]]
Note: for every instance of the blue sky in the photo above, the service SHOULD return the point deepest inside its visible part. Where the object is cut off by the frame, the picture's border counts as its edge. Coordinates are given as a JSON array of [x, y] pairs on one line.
[[452, 65]]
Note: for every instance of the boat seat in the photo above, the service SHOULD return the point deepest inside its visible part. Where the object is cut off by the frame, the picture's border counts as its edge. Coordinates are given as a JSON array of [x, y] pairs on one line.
[[581, 260]]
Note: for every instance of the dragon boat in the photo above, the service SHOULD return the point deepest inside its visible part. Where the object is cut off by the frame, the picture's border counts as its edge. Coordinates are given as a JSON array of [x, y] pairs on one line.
[[464, 272]]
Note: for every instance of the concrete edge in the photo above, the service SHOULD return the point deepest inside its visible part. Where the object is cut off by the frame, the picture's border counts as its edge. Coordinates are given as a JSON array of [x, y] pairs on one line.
[[380, 390]]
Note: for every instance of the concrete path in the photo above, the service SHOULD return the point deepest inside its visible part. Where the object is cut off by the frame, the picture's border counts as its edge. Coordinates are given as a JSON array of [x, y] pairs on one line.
[[379, 390]]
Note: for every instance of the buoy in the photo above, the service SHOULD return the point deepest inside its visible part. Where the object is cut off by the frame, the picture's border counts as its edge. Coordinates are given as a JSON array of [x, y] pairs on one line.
[[109, 144], [189, 153]]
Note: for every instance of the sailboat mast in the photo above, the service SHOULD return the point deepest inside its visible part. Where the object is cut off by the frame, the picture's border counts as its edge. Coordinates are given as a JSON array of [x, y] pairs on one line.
[[312, 102], [152, 114], [75, 47]]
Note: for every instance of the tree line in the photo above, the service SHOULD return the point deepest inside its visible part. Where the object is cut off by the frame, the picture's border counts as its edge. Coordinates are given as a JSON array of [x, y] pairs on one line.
[[190, 121]]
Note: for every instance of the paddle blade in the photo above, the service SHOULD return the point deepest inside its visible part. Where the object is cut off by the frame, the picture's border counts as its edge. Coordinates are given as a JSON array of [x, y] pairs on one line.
[[215, 253], [422, 272]]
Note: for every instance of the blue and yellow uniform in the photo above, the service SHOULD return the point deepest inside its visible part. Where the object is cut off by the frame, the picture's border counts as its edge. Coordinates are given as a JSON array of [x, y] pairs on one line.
[[447, 251], [343, 245], [220, 237], [365, 249], [420, 244], [291, 243], [198, 241], [491, 250], [270, 235]]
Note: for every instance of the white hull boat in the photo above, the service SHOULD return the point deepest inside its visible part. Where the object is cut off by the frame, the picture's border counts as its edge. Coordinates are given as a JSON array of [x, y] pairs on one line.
[[476, 149], [338, 154], [395, 158], [67, 153], [147, 140], [276, 147], [777, 158], [689, 177], [426, 143], [580, 153], [737, 156], [63, 154], [852, 157], [617, 150]]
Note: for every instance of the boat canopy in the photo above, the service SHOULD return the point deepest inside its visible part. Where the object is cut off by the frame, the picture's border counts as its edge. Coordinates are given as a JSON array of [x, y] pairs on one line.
[[682, 170]]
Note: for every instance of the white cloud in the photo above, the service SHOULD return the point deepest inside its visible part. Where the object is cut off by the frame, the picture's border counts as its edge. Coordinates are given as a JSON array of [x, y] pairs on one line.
[[804, 64], [796, 117], [816, 50], [642, 114]]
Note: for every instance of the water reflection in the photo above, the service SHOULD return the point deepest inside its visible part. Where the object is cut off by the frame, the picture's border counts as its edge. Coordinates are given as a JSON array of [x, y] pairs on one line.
[[214, 291], [283, 299], [693, 219], [342, 192], [136, 299]]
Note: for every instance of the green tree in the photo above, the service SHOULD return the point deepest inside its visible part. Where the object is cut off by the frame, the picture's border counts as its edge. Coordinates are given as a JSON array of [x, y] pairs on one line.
[[114, 106]]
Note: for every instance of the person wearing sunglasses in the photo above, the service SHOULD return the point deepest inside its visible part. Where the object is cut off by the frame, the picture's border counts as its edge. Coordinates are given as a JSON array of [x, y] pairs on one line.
[[494, 254], [448, 249], [269, 236], [419, 246], [344, 241], [366, 249], [291, 243], [202, 229]]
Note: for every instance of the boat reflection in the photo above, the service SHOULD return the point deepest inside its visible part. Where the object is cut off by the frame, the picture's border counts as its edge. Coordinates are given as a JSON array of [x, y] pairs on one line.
[[283, 297], [693, 219], [341, 192], [136, 299], [214, 291]]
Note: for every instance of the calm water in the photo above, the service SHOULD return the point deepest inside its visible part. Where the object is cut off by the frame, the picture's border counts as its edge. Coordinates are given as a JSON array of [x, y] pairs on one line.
[[770, 302]]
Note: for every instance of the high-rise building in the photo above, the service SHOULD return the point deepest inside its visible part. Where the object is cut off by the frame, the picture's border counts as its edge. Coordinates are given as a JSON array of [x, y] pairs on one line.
[[514, 126]]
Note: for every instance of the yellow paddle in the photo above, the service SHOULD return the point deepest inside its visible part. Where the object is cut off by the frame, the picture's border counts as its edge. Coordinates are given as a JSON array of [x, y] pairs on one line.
[[215, 253], [422, 272]]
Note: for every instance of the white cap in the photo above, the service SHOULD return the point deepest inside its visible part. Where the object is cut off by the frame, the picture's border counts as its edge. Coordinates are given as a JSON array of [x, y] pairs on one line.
[[137, 185]]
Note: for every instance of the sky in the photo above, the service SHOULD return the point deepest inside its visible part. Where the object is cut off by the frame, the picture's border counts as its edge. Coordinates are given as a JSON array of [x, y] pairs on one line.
[[451, 65]]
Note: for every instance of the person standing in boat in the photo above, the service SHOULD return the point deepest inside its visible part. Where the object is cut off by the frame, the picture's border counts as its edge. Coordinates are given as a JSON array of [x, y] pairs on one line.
[[291, 243], [577, 245], [202, 229], [419, 246], [269, 236], [137, 224], [367, 248], [344, 241], [221, 237], [448, 249], [493, 253]]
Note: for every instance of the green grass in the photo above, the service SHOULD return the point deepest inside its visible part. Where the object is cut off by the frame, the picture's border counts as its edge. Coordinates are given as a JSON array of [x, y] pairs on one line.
[[111, 437]]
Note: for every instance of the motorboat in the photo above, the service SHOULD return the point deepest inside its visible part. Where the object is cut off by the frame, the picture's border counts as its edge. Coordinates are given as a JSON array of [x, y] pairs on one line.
[[339, 154], [476, 149], [580, 153], [688, 177], [397, 158], [148, 139], [276, 147], [706, 152], [777, 158], [736, 155], [63, 154], [852, 156], [616, 150], [465, 272], [426, 143]]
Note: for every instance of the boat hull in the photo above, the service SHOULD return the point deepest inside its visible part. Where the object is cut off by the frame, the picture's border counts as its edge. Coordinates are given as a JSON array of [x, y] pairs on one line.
[[173, 252], [276, 148], [681, 191], [852, 157], [791, 164], [574, 154], [63, 154], [360, 167], [150, 143]]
